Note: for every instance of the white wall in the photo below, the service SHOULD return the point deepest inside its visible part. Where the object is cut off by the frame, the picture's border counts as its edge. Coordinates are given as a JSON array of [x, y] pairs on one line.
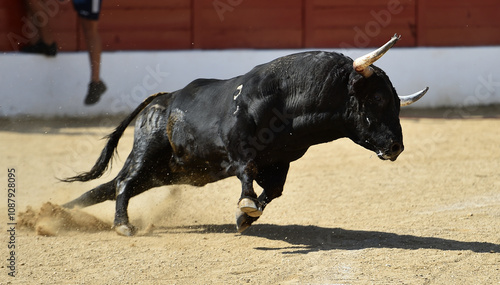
[[45, 87]]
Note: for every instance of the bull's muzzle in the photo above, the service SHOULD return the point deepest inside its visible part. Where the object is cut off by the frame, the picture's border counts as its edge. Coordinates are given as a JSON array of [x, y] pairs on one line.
[[391, 153]]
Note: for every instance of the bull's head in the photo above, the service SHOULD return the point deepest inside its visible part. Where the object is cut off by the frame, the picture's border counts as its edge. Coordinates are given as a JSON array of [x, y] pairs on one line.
[[374, 106]]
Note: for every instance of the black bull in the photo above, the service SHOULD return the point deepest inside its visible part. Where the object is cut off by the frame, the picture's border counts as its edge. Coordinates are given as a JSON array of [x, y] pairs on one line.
[[251, 126]]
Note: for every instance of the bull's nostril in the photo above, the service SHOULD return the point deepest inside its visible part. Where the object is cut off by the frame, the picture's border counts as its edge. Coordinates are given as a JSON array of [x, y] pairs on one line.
[[396, 148]]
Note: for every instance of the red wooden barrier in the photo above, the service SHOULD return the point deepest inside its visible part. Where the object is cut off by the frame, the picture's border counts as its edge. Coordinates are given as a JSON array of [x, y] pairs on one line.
[[361, 23], [458, 22], [219, 24], [247, 24], [16, 29], [145, 25]]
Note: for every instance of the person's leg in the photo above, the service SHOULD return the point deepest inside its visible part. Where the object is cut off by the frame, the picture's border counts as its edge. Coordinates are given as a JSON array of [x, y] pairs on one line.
[[34, 7], [93, 41], [43, 41], [94, 46]]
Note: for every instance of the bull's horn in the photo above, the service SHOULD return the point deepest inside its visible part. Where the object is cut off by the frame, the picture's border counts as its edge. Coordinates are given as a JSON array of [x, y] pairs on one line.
[[362, 63], [407, 100]]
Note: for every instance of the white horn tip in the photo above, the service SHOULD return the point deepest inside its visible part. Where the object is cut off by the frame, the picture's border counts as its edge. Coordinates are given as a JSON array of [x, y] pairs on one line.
[[410, 99]]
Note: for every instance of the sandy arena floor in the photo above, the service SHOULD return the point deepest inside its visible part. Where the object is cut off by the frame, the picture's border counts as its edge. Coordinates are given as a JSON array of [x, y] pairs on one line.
[[346, 217]]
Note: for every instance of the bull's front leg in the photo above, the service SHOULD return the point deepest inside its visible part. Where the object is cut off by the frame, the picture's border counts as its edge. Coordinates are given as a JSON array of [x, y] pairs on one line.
[[249, 207], [272, 180]]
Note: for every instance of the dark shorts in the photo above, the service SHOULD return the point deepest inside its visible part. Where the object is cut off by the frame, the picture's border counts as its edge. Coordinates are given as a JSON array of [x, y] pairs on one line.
[[88, 9]]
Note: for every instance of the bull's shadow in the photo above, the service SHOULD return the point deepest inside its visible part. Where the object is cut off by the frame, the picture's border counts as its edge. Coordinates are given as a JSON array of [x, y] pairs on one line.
[[305, 239]]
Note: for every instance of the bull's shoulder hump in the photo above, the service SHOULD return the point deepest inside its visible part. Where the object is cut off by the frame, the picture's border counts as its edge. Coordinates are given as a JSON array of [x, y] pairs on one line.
[[299, 60], [201, 82], [204, 81], [309, 55]]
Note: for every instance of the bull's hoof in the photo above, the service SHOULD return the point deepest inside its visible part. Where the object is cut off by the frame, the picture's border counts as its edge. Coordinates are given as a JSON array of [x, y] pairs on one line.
[[125, 230], [249, 207], [243, 221]]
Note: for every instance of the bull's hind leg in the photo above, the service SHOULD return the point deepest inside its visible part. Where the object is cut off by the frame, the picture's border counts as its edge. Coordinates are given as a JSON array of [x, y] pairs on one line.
[[272, 180], [141, 173], [97, 195], [145, 168]]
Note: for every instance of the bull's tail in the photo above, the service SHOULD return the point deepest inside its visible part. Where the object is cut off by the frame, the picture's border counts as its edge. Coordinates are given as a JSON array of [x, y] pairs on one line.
[[102, 162]]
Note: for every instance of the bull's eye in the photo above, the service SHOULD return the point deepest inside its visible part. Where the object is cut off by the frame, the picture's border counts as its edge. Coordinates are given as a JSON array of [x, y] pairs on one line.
[[377, 98]]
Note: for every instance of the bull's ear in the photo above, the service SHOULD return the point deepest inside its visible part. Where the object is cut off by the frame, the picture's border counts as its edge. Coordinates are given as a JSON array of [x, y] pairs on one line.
[[357, 86], [353, 103]]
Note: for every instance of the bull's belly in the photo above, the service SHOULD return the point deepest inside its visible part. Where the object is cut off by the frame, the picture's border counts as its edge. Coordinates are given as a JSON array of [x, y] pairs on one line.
[[198, 174], [197, 178]]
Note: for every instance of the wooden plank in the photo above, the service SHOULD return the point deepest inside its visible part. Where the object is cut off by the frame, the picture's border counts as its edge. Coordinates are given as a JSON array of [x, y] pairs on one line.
[[357, 15], [145, 29], [255, 18], [122, 21], [421, 8], [64, 28], [10, 20], [256, 39], [457, 3], [145, 4], [145, 40], [60, 18], [462, 17], [234, 5], [358, 23], [348, 3], [174, 24], [344, 17], [463, 37], [461, 22], [346, 38], [251, 24], [11, 4]]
